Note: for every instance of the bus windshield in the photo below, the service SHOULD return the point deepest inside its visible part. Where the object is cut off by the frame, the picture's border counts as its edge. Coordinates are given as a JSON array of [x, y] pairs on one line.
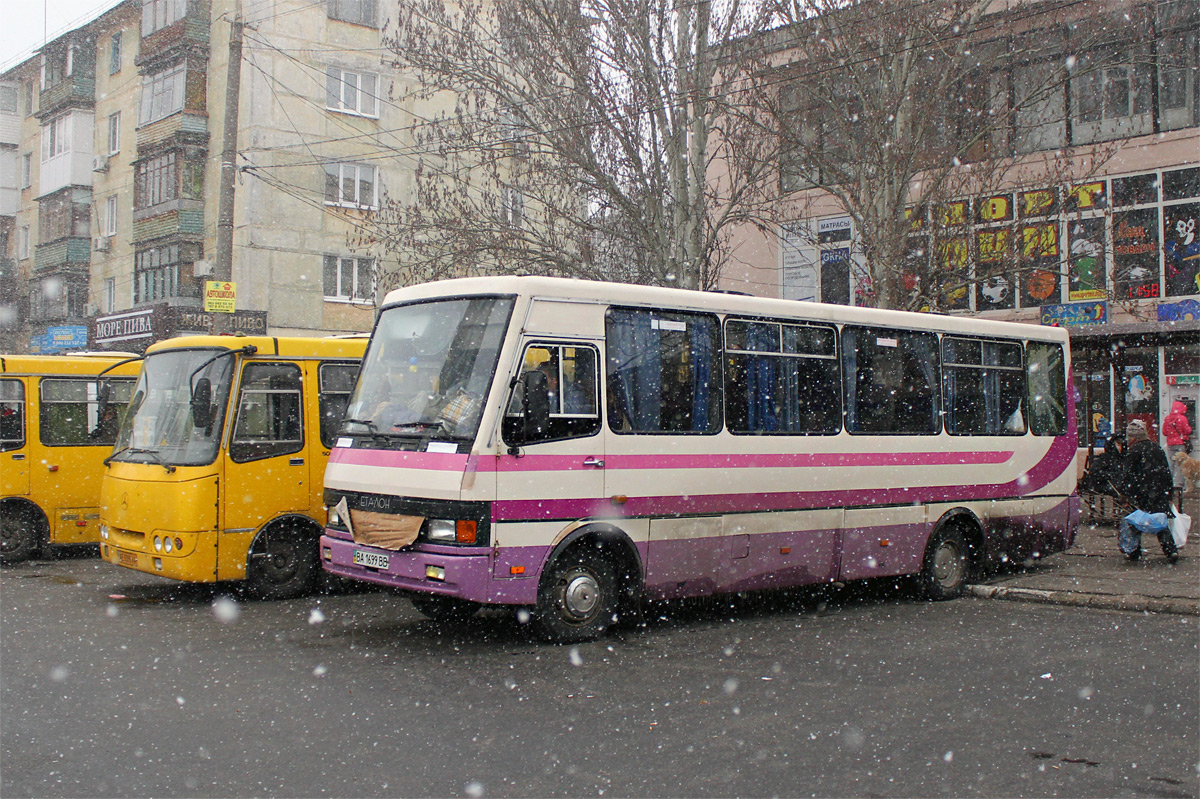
[[159, 428], [427, 370]]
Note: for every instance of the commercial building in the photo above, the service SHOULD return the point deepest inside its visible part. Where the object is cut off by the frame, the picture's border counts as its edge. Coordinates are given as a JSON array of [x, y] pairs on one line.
[[1093, 221]]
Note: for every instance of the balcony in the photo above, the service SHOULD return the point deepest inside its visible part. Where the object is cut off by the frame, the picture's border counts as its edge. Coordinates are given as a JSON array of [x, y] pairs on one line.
[[187, 127], [72, 250], [75, 91]]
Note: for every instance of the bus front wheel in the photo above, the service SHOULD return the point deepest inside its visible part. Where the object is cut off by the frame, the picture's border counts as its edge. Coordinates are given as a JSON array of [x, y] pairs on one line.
[[283, 564], [20, 538], [577, 599], [445, 609], [947, 565]]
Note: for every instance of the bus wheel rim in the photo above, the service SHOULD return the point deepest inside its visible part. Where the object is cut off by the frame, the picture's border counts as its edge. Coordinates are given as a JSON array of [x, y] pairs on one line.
[[947, 564], [581, 595]]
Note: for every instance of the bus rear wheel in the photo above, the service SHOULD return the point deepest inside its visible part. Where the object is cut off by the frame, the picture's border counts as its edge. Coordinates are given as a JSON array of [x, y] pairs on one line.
[[947, 565], [445, 609], [577, 599], [20, 538], [283, 564]]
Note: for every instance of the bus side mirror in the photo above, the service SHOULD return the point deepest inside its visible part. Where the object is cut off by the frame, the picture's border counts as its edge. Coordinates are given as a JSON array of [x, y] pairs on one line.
[[202, 403], [535, 405], [103, 394]]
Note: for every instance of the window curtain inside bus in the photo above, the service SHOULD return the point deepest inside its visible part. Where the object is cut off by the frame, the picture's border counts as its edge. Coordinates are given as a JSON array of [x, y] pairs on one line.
[[760, 379], [635, 371], [702, 354], [850, 376], [925, 349]]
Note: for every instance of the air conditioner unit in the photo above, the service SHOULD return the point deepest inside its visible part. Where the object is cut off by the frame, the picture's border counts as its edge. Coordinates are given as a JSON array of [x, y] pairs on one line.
[[99, 163], [102, 243]]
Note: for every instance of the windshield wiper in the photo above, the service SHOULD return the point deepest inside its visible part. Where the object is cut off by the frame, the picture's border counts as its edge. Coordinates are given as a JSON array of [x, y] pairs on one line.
[[434, 425], [371, 428], [143, 451]]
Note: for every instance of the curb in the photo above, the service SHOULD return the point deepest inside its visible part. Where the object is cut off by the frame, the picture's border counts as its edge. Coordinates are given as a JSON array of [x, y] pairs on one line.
[[1137, 604]]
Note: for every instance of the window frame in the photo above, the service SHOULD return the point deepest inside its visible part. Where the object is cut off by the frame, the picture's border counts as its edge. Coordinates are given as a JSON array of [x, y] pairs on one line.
[[337, 86], [245, 451], [335, 184]]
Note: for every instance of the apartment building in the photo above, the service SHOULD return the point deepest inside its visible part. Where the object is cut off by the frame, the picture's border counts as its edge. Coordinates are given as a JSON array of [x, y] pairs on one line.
[[1092, 220], [111, 140]]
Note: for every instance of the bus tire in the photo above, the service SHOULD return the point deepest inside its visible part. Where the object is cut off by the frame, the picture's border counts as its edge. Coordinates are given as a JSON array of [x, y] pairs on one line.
[[946, 566], [283, 563], [20, 534], [577, 598], [445, 609]]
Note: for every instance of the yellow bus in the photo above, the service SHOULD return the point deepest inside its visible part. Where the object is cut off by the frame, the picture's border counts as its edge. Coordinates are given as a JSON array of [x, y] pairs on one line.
[[217, 471], [58, 420]]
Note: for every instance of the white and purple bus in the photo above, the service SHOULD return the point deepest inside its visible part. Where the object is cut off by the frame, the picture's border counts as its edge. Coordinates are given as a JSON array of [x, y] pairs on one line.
[[571, 447]]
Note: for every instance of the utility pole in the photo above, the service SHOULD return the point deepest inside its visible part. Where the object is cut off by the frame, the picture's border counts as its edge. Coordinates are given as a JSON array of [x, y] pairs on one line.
[[223, 260]]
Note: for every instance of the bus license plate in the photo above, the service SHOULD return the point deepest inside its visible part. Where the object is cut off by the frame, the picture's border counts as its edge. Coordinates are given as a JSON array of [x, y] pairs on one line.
[[372, 560], [126, 558]]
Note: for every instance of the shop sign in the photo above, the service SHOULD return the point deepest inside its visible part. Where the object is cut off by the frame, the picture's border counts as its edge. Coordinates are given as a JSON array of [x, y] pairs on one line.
[[117, 331], [1182, 311], [1074, 314], [194, 320], [220, 296]]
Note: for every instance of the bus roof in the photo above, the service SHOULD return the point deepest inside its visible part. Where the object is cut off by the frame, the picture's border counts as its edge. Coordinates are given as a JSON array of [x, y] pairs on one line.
[[86, 363], [352, 346], [716, 302]]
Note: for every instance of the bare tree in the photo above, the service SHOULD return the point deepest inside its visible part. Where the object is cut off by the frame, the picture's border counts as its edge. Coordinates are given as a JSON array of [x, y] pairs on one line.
[[585, 138], [900, 109]]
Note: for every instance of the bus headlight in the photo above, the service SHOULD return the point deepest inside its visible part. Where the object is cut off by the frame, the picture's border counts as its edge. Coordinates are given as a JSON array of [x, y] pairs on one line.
[[104, 532], [168, 545], [158, 544], [333, 518], [440, 530], [460, 531]]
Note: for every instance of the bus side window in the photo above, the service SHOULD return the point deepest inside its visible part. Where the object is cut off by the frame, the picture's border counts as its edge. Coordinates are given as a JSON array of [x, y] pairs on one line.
[[70, 413], [1047, 389], [269, 420], [664, 371], [12, 414], [571, 377], [336, 381], [983, 383]]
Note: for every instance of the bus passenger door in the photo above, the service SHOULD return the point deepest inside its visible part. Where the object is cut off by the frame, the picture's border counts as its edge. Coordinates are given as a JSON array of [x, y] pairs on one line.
[[555, 474], [14, 439], [266, 463]]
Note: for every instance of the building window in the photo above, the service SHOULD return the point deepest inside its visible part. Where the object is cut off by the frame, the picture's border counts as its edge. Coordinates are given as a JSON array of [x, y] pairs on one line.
[[26, 170], [158, 14], [110, 294], [29, 109], [8, 100], [351, 185], [114, 133], [156, 181], [1113, 100], [360, 12], [156, 275], [109, 226], [114, 54], [351, 92], [162, 95], [58, 297], [348, 279], [1041, 108], [55, 138], [23, 242]]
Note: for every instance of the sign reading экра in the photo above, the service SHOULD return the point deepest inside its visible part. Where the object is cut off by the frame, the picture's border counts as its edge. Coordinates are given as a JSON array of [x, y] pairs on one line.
[[220, 296]]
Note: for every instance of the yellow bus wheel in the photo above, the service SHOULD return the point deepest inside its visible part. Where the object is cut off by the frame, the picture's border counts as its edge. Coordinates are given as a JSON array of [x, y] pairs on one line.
[[283, 563], [20, 534]]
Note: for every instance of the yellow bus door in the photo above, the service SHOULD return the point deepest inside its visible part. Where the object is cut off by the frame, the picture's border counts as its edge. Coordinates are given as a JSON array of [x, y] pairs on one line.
[[14, 439], [266, 469]]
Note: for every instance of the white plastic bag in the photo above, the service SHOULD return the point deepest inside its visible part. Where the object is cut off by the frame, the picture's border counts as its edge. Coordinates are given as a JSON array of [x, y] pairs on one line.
[[1179, 523]]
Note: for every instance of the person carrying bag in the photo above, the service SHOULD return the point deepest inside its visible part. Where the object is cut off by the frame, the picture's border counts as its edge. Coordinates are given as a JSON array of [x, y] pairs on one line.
[[1148, 486]]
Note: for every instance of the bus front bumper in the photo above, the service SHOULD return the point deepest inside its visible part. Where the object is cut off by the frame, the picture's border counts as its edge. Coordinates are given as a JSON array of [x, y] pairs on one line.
[[427, 570]]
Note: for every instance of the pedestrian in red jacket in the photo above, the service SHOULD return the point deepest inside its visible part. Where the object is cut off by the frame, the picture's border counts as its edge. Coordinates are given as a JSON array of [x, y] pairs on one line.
[[1178, 434]]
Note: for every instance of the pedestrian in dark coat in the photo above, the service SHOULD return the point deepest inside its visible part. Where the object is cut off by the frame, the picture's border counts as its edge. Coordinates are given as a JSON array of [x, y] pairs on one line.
[[1148, 488]]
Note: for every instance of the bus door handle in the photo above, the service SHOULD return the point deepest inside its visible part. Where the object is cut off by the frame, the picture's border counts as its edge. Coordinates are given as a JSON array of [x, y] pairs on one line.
[[296, 462], [18, 457], [597, 462]]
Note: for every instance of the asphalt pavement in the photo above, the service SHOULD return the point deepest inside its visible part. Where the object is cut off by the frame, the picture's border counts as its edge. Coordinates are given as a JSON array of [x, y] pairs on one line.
[[1093, 573]]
